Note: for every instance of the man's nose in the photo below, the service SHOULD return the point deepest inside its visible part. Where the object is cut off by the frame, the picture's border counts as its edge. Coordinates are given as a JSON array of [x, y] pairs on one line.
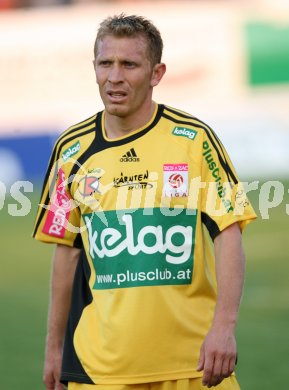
[[115, 74]]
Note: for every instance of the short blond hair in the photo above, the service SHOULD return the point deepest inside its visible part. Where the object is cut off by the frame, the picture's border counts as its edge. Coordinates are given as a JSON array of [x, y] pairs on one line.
[[132, 26]]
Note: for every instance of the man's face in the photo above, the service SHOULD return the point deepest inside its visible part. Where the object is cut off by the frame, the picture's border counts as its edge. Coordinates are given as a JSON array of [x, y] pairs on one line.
[[124, 75]]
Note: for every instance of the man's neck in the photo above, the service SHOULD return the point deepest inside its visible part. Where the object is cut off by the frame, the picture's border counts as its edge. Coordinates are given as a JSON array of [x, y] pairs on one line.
[[116, 126]]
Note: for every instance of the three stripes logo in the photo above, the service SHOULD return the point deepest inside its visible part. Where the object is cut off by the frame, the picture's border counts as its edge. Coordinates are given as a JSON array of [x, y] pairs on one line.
[[130, 156]]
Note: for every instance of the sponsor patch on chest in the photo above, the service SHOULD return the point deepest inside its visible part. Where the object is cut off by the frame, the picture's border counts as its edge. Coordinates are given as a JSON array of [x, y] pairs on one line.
[[176, 180]]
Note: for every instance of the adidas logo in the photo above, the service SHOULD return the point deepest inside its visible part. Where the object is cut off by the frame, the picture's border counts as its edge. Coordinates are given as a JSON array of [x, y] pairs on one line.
[[129, 156]]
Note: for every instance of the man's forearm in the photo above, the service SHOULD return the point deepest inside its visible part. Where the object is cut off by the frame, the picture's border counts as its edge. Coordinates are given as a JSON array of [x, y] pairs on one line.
[[230, 269], [63, 270]]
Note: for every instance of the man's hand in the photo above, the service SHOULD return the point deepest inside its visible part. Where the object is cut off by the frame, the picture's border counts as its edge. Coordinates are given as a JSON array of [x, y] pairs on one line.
[[218, 355], [52, 368]]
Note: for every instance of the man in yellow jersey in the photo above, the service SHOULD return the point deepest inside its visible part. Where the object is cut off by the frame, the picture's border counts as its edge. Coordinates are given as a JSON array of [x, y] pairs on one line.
[[147, 212]]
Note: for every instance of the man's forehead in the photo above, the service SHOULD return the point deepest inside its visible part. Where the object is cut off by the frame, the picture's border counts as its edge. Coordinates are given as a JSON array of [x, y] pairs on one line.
[[123, 45]]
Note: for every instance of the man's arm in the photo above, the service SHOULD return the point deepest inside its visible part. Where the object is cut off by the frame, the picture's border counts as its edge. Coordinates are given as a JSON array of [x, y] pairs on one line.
[[218, 353], [63, 269]]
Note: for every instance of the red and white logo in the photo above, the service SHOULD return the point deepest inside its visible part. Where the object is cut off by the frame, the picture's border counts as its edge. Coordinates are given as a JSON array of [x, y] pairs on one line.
[[59, 209], [175, 180], [88, 185]]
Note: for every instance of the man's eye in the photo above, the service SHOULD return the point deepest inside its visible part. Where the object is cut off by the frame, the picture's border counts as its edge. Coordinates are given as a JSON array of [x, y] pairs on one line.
[[128, 64], [104, 63]]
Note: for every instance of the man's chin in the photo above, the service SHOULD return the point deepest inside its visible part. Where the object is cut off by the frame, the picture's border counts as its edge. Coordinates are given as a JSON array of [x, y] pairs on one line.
[[116, 110]]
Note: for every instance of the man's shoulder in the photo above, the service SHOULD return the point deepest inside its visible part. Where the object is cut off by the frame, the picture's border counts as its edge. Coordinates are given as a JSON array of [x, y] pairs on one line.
[[70, 141], [184, 124], [75, 132], [79, 128], [176, 115]]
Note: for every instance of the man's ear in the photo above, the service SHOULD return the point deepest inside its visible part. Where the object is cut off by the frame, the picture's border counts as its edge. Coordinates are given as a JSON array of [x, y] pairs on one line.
[[158, 71]]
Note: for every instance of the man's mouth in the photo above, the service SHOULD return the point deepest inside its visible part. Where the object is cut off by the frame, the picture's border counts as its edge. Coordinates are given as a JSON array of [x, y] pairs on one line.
[[117, 95]]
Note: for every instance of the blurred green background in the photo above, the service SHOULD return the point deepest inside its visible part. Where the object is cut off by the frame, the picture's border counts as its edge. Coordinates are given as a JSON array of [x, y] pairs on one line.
[[263, 337]]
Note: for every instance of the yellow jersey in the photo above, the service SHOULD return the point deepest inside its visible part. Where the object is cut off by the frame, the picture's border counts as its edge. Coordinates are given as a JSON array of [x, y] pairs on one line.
[[145, 209]]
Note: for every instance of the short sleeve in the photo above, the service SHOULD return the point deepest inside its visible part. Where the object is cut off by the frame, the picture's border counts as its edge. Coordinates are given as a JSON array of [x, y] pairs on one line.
[[223, 199], [58, 216]]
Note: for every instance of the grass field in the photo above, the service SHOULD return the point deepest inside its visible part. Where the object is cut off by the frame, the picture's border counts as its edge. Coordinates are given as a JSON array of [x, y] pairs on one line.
[[263, 336]]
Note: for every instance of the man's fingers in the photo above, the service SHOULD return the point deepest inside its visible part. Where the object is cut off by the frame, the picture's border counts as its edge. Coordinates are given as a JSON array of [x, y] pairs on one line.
[[217, 359], [48, 380], [201, 360], [216, 374], [59, 386], [216, 368], [232, 364], [228, 365], [208, 369], [226, 368], [49, 385]]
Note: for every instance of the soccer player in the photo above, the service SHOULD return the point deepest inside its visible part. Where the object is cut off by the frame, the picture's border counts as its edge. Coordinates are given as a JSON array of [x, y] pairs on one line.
[[147, 212]]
